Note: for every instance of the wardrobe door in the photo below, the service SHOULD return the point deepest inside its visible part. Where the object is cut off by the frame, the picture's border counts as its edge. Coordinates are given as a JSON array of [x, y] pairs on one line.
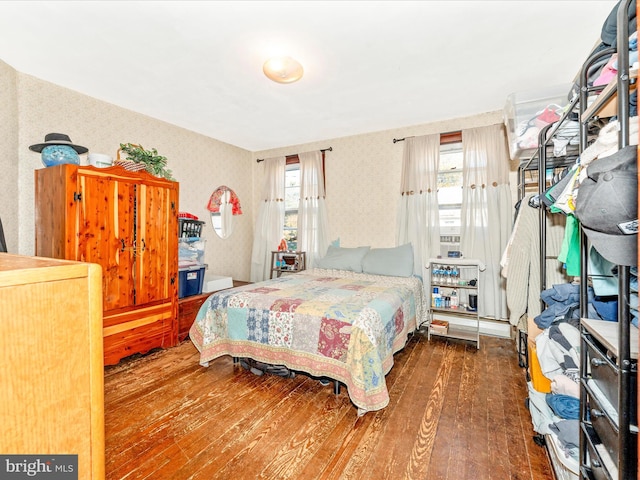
[[106, 235], [56, 205], [156, 242]]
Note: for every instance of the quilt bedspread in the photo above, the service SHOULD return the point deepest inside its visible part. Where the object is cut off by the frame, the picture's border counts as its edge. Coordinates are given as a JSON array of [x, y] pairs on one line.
[[327, 323]]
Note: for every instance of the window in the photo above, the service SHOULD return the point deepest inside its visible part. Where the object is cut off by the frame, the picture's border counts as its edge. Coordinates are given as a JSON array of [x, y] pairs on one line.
[[450, 191], [291, 202], [292, 186]]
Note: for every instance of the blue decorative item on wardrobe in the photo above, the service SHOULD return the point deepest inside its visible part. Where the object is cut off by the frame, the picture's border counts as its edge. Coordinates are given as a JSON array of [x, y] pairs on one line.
[[57, 149], [58, 154]]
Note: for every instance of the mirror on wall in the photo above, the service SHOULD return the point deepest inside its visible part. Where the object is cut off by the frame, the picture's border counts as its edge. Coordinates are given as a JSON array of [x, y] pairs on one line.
[[223, 205]]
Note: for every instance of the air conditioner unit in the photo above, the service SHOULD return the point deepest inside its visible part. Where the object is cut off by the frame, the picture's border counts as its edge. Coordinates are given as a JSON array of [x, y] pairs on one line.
[[449, 243]]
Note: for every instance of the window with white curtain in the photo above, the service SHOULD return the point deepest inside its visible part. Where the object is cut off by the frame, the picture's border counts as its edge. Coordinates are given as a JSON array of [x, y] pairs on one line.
[[291, 203], [292, 184], [471, 212], [450, 191]]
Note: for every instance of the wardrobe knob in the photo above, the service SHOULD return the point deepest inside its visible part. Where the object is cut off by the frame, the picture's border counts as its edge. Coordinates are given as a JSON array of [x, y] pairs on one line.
[[597, 413], [597, 362]]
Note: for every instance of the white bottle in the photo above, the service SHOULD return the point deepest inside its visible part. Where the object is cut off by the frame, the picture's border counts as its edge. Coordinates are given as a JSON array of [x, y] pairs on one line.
[[454, 299], [455, 275]]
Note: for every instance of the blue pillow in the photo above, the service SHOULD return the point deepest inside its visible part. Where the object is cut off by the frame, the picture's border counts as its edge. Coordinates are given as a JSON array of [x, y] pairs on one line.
[[396, 262], [343, 258]]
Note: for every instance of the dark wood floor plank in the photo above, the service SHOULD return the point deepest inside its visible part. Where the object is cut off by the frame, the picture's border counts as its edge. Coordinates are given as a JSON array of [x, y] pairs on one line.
[[444, 445], [497, 358], [245, 428], [303, 430], [454, 413], [420, 457], [338, 448], [392, 445], [464, 430], [391, 434], [355, 447], [197, 402]]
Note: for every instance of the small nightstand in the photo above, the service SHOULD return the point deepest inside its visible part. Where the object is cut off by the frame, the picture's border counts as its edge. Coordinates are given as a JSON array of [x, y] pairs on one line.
[[289, 262]]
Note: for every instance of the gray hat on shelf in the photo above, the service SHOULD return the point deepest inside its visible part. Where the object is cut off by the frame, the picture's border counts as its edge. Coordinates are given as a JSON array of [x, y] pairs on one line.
[[57, 139], [607, 206]]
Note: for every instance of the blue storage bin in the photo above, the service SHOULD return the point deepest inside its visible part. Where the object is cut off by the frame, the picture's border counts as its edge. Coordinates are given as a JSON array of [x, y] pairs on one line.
[[190, 281]]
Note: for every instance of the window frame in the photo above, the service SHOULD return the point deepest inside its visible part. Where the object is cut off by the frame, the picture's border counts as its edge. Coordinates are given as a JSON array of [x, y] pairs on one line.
[[292, 160], [450, 138]]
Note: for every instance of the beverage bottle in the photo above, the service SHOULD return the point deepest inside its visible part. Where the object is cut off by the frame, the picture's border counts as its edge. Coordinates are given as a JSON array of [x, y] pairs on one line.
[[454, 299]]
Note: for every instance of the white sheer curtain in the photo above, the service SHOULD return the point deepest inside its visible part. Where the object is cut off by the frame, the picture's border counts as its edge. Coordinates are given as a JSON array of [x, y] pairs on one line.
[[486, 211], [313, 226], [418, 216], [270, 220]]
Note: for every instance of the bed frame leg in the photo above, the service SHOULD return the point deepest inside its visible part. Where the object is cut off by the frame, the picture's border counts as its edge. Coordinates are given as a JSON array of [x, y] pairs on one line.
[[336, 387]]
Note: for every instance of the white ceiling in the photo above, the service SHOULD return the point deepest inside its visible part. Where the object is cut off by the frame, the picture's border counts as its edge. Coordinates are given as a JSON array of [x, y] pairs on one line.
[[369, 66]]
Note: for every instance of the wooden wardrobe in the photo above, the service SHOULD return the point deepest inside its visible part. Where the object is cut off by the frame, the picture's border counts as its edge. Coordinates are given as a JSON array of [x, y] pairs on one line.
[[127, 222]]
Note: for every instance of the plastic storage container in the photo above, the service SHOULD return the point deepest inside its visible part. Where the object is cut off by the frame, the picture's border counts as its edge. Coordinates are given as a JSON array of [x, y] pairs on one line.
[[213, 283], [189, 228], [190, 281], [191, 252], [525, 113]]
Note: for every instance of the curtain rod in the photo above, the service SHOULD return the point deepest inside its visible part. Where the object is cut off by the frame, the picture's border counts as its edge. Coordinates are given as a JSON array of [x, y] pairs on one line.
[[330, 149], [455, 132]]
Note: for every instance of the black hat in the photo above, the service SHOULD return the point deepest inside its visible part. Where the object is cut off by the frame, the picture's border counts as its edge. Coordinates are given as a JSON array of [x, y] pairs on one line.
[[607, 206], [57, 139]]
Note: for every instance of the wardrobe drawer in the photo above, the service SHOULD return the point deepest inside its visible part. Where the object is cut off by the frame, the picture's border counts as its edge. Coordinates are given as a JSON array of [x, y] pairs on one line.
[[596, 464], [603, 372], [607, 434]]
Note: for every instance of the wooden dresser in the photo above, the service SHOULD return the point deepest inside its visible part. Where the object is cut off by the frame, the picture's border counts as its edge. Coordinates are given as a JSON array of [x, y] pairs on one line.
[[188, 308], [51, 369], [126, 222]]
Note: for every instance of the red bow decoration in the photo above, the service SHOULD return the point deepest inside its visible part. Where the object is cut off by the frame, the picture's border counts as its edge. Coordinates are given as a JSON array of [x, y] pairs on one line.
[[229, 196]]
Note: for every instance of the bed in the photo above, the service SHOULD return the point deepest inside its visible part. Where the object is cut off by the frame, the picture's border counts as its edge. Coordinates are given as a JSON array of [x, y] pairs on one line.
[[328, 323]]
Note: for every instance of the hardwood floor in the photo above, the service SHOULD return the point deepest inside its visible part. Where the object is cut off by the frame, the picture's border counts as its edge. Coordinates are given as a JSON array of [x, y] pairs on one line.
[[455, 413]]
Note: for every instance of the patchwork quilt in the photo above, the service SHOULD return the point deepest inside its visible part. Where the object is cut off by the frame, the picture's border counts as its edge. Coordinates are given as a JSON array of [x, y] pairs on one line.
[[327, 323]]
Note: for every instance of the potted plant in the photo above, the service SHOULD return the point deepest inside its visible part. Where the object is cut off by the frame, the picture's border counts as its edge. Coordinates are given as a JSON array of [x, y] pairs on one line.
[[153, 163]]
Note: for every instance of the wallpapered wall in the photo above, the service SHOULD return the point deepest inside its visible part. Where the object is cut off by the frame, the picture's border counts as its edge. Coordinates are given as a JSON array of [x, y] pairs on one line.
[[8, 158], [199, 163], [363, 174], [363, 171]]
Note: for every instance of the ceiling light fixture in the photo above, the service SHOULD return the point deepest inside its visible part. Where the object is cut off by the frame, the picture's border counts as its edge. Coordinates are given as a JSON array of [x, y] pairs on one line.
[[283, 69]]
